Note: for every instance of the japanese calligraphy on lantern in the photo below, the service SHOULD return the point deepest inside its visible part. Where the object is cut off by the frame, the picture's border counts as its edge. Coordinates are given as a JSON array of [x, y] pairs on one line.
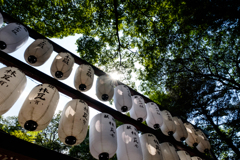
[[12, 83], [150, 147], [129, 146], [39, 107], [102, 131], [73, 124]]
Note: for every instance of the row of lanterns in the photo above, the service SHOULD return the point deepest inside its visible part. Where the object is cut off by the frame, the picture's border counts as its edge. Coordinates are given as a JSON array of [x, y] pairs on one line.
[[38, 109]]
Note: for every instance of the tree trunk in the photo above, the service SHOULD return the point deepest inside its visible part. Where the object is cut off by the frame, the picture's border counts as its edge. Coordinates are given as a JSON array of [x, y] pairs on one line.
[[221, 134]]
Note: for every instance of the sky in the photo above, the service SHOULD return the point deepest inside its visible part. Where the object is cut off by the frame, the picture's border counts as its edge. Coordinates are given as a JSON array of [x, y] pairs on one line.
[[67, 43]]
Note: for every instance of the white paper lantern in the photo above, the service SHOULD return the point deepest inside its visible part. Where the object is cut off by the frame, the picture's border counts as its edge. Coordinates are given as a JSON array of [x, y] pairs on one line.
[[168, 127], [1, 20], [196, 158], [122, 98], [192, 139], [12, 83], [39, 107], [154, 118], [12, 37], [38, 52], [104, 88], [169, 151], [62, 66], [102, 136], [84, 76], [138, 110], [150, 147], [181, 132], [183, 155], [73, 125], [203, 145], [129, 146]]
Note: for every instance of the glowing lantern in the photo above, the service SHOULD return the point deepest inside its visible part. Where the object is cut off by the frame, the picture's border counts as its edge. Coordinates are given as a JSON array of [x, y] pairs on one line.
[[122, 98], [168, 151], [62, 66], [138, 110], [196, 158], [38, 52], [104, 88], [102, 136], [84, 76], [12, 83], [181, 132], [192, 139], [1, 20], [128, 144], [73, 125], [39, 107], [168, 127], [154, 118], [12, 37], [203, 145], [150, 147], [183, 155]]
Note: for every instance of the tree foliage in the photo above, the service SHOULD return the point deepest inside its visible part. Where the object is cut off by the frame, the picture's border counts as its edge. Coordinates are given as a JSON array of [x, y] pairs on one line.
[[188, 51]]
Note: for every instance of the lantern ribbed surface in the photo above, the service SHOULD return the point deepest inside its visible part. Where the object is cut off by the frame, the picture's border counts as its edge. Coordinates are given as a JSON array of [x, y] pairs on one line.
[[192, 139], [181, 132], [102, 136], [1, 20], [73, 125], [122, 98], [38, 52], [129, 147], [203, 145], [154, 117], [13, 82], [183, 155], [62, 65], [168, 127], [12, 37], [169, 151], [138, 110], [39, 107], [104, 88], [150, 147], [84, 76]]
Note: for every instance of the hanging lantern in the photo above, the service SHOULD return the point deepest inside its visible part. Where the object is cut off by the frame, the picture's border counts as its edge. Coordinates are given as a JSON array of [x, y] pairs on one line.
[[196, 158], [168, 151], [154, 118], [104, 88], [73, 125], [128, 144], [1, 20], [183, 155], [138, 110], [38, 52], [62, 66], [203, 145], [12, 83], [122, 98], [150, 147], [84, 76], [192, 139], [102, 136], [12, 37], [39, 107], [168, 127], [181, 132]]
